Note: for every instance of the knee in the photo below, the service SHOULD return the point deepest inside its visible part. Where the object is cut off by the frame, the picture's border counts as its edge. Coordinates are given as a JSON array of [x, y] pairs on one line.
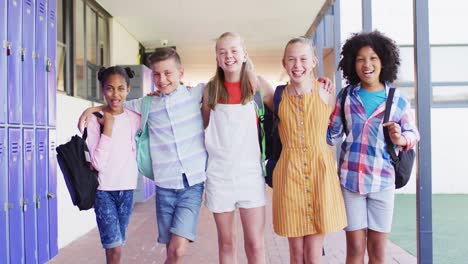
[[175, 252], [255, 246], [226, 245], [355, 249], [376, 252]]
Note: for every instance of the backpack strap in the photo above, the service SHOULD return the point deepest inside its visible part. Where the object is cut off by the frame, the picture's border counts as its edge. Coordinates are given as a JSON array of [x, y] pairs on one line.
[[342, 113], [260, 109], [145, 109], [388, 141], [85, 131], [276, 101]]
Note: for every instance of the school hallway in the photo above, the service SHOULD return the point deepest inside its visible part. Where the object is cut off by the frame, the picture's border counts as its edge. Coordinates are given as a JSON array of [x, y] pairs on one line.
[[141, 244]]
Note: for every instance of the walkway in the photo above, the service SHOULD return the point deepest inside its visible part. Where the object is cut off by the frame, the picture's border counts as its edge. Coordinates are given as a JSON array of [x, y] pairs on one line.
[[141, 246]]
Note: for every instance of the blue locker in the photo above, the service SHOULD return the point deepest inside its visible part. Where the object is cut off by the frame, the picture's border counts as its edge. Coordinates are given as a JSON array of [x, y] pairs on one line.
[[28, 196], [41, 196], [52, 72], [3, 197], [52, 195], [27, 53], [15, 212], [3, 83], [40, 63], [13, 61]]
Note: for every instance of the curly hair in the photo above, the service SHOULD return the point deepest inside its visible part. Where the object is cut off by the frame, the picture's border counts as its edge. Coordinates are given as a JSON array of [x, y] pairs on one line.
[[386, 49]]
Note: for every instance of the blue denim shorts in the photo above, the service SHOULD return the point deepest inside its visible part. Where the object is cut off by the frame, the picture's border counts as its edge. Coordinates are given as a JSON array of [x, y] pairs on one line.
[[113, 210], [177, 211]]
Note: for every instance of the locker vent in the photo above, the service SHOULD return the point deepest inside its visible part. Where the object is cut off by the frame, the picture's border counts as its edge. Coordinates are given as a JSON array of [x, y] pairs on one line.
[[28, 147], [1, 148], [14, 148], [52, 146], [29, 2], [40, 147], [52, 15], [42, 8]]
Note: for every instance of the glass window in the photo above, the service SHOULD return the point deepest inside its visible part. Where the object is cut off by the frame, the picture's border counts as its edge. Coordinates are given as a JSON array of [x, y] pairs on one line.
[[452, 95], [91, 50], [448, 64], [79, 50], [103, 35], [91, 28]]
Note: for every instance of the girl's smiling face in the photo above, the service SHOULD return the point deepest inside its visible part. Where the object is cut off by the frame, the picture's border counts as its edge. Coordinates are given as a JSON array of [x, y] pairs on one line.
[[368, 67], [115, 92], [299, 62], [230, 54]]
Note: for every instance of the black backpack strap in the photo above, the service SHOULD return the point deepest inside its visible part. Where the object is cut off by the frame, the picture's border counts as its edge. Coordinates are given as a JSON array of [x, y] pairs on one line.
[[388, 108], [342, 113], [85, 131], [276, 101]]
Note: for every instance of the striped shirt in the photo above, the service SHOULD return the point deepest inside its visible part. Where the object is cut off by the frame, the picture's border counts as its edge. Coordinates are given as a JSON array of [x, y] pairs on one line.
[[365, 164], [176, 136]]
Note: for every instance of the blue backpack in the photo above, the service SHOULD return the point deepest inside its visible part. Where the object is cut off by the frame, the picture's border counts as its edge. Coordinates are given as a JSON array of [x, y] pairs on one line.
[[273, 139], [145, 165]]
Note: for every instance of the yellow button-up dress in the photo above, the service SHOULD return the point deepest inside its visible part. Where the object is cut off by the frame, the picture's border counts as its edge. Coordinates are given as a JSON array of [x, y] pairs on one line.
[[307, 196]]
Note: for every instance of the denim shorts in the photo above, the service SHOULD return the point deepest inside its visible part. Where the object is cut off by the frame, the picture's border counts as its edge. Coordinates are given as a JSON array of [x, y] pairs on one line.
[[177, 211], [373, 211], [113, 210]]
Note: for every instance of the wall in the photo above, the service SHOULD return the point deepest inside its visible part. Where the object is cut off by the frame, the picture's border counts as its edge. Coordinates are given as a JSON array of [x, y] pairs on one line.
[[72, 223], [123, 46]]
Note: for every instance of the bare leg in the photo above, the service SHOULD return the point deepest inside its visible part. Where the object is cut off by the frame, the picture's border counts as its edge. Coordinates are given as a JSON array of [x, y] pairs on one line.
[[253, 225], [355, 246], [313, 248], [376, 246], [296, 250], [113, 255], [226, 237], [176, 249]]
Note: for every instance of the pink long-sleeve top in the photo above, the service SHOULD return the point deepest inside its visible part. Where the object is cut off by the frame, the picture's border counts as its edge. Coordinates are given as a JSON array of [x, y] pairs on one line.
[[115, 157]]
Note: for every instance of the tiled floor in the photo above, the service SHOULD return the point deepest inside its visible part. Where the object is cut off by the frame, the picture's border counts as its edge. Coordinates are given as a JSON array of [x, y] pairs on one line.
[[142, 248]]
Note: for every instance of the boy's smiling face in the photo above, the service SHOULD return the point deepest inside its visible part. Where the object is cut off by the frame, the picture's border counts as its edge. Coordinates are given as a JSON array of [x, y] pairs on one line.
[[167, 75]]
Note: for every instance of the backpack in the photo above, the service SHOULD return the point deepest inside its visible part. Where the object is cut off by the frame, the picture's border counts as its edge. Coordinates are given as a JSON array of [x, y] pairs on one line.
[[145, 165], [273, 138], [75, 163], [403, 163]]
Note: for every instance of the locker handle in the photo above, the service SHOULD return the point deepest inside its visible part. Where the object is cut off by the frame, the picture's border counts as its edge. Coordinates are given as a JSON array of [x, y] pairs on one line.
[[8, 48], [50, 195], [23, 54], [25, 204], [49, 65]]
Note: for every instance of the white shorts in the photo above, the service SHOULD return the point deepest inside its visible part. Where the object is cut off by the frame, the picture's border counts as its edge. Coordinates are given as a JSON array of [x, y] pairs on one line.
[[224, 193], [373, 211]]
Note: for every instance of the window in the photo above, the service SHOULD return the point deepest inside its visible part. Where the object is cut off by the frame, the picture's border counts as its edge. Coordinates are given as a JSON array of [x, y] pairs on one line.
[[91, 47], [449, 81]]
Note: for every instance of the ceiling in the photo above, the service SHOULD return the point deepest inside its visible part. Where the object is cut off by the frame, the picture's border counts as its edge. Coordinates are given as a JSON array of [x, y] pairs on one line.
[[192, 26]]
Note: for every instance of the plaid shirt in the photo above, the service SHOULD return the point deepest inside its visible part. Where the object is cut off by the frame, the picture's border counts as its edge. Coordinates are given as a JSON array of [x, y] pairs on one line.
[[365, 164]]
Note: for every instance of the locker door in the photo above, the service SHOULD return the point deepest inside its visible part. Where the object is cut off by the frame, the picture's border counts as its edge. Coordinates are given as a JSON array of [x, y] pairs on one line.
[[41, 196], [3, 83], [52, 195], [51, 49], [27, 62], [13, 61], [15, 214], [28, 197], [40, 63], [3, 197]]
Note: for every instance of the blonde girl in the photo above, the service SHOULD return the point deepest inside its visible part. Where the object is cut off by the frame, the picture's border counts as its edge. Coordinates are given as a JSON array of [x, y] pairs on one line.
[[307, 199]]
